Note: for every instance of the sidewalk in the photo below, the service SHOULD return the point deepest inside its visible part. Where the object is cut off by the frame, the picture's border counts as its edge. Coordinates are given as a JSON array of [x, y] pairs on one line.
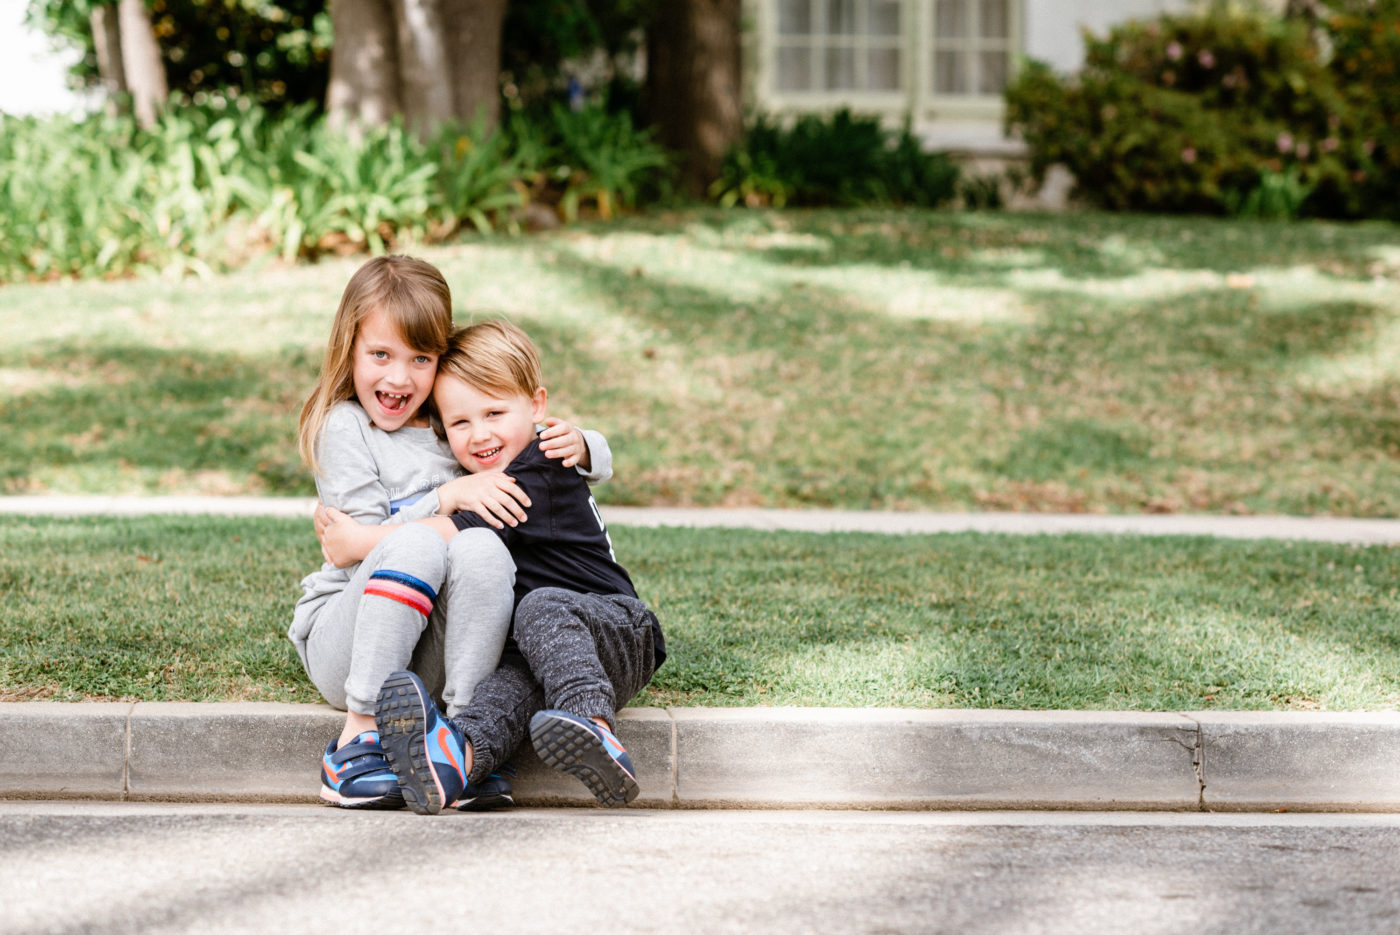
[[1322, 529], [768, 757]]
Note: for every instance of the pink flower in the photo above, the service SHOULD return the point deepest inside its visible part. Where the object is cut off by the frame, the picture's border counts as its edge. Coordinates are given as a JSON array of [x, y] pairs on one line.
[[1368, 147], [1329, 145], [1285, 142], [1188, 155], [1206, 59], [1174, 51], [1303, 150]]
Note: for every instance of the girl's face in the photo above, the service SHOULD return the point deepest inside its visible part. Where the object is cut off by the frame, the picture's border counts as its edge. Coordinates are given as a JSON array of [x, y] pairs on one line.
[[392, 380]]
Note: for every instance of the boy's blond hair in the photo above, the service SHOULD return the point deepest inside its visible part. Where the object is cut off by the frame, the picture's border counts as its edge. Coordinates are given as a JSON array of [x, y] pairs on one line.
[[494, 357]]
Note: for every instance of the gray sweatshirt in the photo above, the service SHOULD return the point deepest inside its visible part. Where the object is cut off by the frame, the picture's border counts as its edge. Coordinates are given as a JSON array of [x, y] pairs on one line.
[[383, 477]]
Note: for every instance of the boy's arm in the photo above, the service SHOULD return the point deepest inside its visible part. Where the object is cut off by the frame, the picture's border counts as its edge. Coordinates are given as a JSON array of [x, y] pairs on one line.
[[583, 449]]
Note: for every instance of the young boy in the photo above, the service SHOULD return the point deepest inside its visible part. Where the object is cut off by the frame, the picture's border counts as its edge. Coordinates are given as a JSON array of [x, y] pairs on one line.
[[583, 643]]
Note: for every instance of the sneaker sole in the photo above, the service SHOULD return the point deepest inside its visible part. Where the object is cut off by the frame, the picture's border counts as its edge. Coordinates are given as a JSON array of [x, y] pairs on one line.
[[401, 715], [574, 749], [385, 802], [484, 803]]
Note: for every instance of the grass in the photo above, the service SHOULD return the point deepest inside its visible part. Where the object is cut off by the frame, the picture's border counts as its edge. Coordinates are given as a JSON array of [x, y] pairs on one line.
[[196, 608], [887, 360]]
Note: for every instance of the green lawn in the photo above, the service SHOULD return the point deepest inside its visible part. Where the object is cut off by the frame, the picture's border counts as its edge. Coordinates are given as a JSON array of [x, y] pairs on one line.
[[888, 360], [196, 608]]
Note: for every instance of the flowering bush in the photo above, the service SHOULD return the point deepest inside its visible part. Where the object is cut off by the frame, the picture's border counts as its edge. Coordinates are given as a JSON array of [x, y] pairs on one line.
[[1364, 36], [1227, 110]]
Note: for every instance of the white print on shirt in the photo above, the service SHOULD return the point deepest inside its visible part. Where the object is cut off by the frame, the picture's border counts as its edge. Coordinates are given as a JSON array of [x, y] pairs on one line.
[[405, 496], [593, 505]]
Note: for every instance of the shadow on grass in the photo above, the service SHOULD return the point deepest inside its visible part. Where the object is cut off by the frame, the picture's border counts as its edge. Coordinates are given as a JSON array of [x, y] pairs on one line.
[[977, 248], [90, 408], [1038, 622], [819, 396]]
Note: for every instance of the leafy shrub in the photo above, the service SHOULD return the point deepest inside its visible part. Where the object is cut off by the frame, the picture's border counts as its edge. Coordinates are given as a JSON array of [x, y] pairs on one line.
[[209, 187], [1229, 109], [841, 160], [1364, 36], [603, 158]]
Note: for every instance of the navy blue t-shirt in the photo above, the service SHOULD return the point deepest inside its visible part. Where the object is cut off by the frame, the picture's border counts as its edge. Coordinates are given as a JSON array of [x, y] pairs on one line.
[[563, 542]]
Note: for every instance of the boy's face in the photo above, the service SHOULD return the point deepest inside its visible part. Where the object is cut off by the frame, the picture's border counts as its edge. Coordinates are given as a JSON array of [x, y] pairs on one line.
[[391, 379], [486, 431]]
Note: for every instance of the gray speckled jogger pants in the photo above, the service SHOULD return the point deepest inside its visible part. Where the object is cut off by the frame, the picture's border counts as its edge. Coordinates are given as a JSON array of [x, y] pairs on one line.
[[587, 654]]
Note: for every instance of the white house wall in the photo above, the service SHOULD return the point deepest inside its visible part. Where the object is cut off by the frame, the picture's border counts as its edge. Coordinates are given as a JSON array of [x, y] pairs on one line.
[[1052, 27]]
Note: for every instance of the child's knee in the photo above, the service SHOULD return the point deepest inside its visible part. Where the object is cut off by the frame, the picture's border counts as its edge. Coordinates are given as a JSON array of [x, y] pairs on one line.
[[414, 549], [482, 554], [542, 608]]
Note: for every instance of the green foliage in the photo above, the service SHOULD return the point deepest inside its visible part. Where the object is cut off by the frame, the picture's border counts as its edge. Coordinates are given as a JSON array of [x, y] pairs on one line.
[[546, 42], [210, 187], [841, 160], [1365, 39], [607, 159], [1226, 110], [594, 157], [276, 52]]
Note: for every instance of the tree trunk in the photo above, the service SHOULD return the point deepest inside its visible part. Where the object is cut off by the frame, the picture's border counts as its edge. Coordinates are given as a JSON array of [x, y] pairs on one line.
[[141, 62], [107, 38], [474, 44], [693, 83], [425, 71], [364, 82]]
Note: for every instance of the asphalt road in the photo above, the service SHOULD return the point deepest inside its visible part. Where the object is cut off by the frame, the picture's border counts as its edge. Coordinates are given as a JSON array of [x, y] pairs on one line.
[[91, 867]]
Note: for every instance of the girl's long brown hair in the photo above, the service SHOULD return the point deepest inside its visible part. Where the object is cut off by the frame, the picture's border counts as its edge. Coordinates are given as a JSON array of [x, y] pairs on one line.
[[413, 295]]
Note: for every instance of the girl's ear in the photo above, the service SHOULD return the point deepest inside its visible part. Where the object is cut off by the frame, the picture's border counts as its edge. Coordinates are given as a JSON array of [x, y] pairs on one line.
[[537, 405]]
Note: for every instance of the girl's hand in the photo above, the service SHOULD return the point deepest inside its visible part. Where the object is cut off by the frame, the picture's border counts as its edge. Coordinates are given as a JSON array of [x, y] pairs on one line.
[[494, 497], [562, 440], [341, 537]]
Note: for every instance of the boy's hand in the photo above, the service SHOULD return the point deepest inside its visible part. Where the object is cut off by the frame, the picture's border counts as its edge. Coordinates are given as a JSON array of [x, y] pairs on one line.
[[562, 440], [342, 543], [494, 497]]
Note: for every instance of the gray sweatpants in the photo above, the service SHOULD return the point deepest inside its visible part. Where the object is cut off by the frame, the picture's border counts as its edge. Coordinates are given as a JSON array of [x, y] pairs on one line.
[[587, 654], [440, 609]]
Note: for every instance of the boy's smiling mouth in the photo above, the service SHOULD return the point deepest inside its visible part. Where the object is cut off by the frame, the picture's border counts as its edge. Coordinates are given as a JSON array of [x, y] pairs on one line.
[[488, 454]]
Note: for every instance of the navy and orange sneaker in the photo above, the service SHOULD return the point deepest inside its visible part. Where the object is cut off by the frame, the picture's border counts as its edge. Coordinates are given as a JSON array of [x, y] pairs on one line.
[[587, 751], [427, 752], [495, 791], [357, 775]]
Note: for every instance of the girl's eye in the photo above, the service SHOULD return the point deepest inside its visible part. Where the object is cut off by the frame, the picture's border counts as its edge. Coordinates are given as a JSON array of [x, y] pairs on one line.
[[379, 355], [421, 358]]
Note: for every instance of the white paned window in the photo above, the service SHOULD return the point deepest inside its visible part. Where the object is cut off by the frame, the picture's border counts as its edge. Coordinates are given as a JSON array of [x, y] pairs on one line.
[[928, 61], [972, 45], [830, 47]]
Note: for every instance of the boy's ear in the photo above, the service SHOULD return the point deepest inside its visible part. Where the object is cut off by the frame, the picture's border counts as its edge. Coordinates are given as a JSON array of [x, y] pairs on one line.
[[537, 405]]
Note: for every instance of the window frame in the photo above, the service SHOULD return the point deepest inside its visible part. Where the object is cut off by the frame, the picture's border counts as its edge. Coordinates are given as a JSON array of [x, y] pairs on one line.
[[915, 98]]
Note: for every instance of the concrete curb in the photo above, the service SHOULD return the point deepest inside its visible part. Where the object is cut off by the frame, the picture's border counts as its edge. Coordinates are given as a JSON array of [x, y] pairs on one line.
[[761, 757]]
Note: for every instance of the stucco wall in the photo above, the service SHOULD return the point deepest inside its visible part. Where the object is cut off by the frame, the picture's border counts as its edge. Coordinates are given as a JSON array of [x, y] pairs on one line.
[[1052, 27]]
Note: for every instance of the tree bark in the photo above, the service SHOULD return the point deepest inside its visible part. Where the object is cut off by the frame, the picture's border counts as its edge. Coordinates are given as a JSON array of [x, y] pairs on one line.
[[474, 44], [425, 71], [107, 39], [141, 61], [364, 83], [693, 83]]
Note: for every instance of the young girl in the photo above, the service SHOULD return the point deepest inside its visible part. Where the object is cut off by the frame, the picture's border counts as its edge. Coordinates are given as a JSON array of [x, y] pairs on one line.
[[440, 609]]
